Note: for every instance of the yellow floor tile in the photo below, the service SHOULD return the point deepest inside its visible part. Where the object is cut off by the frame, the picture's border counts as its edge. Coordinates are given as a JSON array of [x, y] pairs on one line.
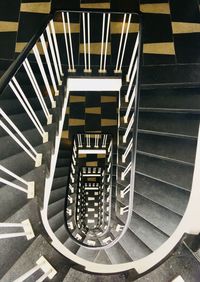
[[108, 122], [93, 110]]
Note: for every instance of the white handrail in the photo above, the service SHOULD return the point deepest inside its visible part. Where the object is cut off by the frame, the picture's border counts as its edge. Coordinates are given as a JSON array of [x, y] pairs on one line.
[[37, 90], [126, 171], [120, 43], [125, 41], [131, 81], [106, 46], [31, 151], [42, 264], [53, 54], [128, 129], [128, 149], [43, 73], [30, 184], [88, 23], [88, 145], [84, 42], [70, 41], [66, 42], [133, 57], [14, 85], [46, 54], [125, 191], [124, 210], [102, 44], [25, 225], [130, 105], [56, 47], [104, 141]]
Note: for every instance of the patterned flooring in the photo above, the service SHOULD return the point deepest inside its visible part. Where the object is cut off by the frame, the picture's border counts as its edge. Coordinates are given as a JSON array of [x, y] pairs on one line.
[[171, 28], [91, 112]]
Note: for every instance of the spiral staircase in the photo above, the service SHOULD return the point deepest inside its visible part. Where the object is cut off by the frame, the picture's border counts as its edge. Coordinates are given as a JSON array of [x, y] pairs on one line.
[[98, 174]]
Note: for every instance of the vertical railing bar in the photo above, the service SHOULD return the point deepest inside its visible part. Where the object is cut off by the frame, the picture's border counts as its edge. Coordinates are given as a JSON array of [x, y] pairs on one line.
[[128, 128], [9, 224], [17, 131], [133, 57], [12, 235], [106, 47], [66, 42], [130, 105], [102, 43], [46, 54], [28, 274], [88, 19], [24, 102], [2, 168], [56, 47], [131, 81], [36, 88], [53, 55], [84, 41], [44, 276], [125, 41], [120, 44], [70, 41], [41, 67], [7, 182]]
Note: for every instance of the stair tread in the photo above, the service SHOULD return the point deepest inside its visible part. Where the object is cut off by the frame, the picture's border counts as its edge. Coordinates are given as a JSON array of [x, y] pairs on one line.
[[177, 173]]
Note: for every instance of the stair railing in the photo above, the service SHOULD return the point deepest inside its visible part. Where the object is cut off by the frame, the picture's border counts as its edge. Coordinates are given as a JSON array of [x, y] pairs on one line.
[[21, 140], [30, 185], [25, 225], [41, 264]]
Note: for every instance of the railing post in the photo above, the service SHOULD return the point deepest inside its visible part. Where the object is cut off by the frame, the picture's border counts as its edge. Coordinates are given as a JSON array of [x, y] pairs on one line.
[[46, 54], [53, 55], [25, 225], [56, 48], [42, 264], [14, 85], [37, 90], [30, 150], [30, 184], [44, 76]]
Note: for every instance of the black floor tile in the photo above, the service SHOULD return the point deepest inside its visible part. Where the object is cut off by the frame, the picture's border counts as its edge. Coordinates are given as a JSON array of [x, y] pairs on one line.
[[156, 59], [9, 10], [185, 11], [157, 28], [187, 47], [7, 39], [65, 5], [125, 5], [29, 24]]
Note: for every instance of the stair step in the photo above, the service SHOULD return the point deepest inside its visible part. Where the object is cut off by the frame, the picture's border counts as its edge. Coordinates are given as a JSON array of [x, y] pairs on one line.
[[28, 259], [87, 254], [182, 124], [61, 171], [168, 196], [11, 249], [59, 182], [102, 258], [117, 254], [139, 250], [177, 173], [57, 220], [174, 98], [61, 234], [56, 208], [170, 147], [57, 194], [160, 217]]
